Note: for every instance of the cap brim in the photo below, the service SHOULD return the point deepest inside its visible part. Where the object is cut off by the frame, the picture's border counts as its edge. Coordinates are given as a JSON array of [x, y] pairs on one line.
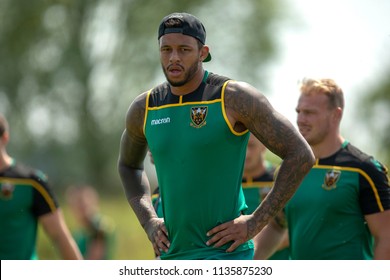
[[208, 58]]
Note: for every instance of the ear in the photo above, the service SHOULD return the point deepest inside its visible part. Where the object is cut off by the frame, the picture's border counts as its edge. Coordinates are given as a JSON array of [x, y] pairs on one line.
[[204, 52], [338, 113], [5, 138]]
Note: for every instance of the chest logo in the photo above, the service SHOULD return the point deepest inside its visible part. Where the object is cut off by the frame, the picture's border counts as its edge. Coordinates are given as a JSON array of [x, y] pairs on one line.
[[6, 191], [331, 179], [198, 116]]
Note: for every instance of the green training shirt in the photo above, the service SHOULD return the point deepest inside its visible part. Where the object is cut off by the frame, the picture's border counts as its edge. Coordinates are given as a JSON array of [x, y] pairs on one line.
[[199, 163], [256, 188], [326, 215], [24, 196]]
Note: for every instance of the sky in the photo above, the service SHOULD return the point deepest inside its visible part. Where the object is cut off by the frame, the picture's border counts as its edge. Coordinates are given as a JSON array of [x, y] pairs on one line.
[[346, 40]]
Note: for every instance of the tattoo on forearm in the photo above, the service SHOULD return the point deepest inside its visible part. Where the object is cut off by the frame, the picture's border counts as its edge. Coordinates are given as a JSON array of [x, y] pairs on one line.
[[143, 208]]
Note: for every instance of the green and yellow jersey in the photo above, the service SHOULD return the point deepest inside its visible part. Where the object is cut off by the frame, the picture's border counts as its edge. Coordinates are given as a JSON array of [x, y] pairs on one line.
[[326, 215], [255, 189], [24, 196], [199, 161]]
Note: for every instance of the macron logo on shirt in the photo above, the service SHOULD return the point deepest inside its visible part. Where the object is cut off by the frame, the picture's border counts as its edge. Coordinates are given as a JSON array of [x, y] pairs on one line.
[[160, 121]]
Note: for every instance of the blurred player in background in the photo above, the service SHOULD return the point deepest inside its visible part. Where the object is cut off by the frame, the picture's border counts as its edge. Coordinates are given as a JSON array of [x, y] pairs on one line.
[[257, 181], [27, 199], [342, 208], [95, 233]]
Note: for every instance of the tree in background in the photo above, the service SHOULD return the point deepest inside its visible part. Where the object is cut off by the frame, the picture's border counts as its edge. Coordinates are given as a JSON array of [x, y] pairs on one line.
[[70, 68], [375, 114]]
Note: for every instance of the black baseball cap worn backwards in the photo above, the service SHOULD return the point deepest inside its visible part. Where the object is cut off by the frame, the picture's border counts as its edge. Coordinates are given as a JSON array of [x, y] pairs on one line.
[[188, 25]]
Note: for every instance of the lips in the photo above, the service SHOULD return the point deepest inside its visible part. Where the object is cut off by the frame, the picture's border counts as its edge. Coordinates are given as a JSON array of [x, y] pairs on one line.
[[303, 129], [175, 69], [175, 74]]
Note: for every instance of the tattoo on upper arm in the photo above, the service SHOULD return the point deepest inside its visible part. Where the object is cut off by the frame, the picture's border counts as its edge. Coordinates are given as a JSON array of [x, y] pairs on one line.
[[135, 119], [255, 112], [133, 143]]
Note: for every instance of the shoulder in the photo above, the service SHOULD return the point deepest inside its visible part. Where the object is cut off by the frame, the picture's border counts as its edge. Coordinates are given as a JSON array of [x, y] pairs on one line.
[[373, 179], [136, 113], [141, 102], [216, 80], [361, 160], [137, 105], [23, 171], [235, 87], [246, 104], [33, 177], [245, 93]]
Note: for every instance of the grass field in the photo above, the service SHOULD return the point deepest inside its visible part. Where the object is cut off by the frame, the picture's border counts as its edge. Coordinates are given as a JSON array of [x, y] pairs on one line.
[[131, 242]]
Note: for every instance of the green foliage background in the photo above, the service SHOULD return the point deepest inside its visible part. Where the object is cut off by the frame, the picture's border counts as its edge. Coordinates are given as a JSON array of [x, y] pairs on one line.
[[69, 70]]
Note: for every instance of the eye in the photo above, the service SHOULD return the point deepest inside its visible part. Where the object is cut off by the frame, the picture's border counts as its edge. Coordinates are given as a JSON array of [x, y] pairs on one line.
[[165, 49]]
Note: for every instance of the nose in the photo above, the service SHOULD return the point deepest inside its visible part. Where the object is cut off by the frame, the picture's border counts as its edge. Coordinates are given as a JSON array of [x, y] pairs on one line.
[[174, 56], [300, 118]]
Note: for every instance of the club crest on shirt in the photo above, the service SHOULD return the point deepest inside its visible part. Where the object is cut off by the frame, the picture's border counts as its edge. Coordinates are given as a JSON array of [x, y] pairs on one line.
[[198, 116], [331, 178], [6, 190]]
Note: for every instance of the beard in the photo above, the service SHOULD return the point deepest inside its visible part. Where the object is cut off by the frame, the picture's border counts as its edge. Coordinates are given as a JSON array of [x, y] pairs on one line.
[[187, 75]]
